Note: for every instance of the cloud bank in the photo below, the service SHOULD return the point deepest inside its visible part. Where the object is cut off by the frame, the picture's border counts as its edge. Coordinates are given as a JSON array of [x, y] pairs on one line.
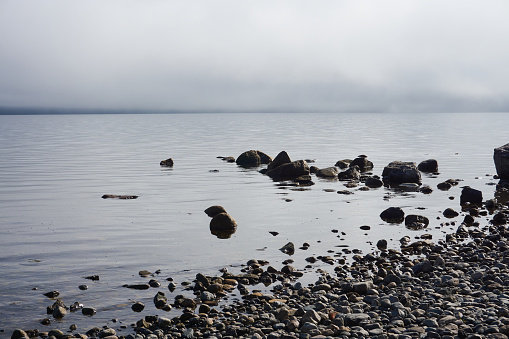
[[289, 55]]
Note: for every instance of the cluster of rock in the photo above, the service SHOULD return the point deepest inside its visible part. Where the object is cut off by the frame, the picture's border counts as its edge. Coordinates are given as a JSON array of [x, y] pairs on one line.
[[282, 168]]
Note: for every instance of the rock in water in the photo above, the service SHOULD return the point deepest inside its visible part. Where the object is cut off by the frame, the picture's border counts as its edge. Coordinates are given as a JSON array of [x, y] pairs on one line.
[[289, 248], [289, 171], [214, 210], [470, 195], [329, 172], [393, 215], [428, 166], [352, 173], [363, 163], [168, 162], [501, 158], [249, 159], [223, 225], [398, 172], [280, 159], [416, 221]]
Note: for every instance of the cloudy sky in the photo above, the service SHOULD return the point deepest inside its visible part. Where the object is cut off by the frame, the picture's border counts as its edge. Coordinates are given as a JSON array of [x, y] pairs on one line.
[[263, 55]]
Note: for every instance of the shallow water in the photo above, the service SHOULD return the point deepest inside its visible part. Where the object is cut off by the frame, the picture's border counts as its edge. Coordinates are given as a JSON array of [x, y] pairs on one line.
[[56, 229]]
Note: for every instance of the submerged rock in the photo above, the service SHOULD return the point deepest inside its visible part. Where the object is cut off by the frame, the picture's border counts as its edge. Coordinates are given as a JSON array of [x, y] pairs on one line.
[[398, 172]]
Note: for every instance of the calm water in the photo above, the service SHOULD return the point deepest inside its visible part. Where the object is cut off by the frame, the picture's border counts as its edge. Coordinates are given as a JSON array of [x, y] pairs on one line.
[[56, 229]]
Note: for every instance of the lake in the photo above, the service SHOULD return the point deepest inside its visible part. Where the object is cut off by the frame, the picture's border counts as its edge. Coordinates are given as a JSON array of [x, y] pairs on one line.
[[56, 228]]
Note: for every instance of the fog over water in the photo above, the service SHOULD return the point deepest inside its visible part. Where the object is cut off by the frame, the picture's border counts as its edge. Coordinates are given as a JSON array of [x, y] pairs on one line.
[[290, 56]]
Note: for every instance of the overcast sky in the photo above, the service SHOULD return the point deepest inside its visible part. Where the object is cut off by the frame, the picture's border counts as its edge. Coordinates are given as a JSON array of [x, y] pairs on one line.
[[260, 55]]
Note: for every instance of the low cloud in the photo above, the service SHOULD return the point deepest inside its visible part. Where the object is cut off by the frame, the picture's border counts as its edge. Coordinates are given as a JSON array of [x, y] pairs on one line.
[[369, 56]]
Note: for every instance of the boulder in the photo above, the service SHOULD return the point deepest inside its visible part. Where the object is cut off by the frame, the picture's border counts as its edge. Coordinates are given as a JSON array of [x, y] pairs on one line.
[[352, 173], [249, 159], [168, 162], [363, 163], [223, 225], [501, 158], [329, 172], [393, 215], [214, 210], [280, 159], [428, 166], [289, 171], [470, 195], [398, 172]]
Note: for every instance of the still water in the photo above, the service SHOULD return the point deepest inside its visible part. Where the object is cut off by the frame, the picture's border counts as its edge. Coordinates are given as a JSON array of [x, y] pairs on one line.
[[56, 229]]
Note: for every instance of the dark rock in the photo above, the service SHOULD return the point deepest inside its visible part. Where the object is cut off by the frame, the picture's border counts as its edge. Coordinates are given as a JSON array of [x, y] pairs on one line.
[[501, 158], [289, 171], [426, 190], [289, 248], [168, 162], [381, 244], [92, 277], [88, 311], [83, 287], [214, 210], [264, 158], [52, 294], [249, 159], [470, 195], [428, 166], [373, 182], [450, 213], [363, 163], [281, 159], [398, 172], [416, 221], [223, 225], [18, 334], [444, 186], [343, 163], [365, 227], [138, 286], [329, 172], [352, 173], [393, 215], [123, 197], [138, 307]]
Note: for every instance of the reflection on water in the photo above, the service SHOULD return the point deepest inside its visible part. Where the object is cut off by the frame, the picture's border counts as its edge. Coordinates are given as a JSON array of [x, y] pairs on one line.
[[56, 229]]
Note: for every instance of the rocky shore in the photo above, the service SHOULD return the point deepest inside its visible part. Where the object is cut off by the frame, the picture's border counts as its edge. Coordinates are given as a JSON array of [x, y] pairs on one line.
[[455, 287]]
